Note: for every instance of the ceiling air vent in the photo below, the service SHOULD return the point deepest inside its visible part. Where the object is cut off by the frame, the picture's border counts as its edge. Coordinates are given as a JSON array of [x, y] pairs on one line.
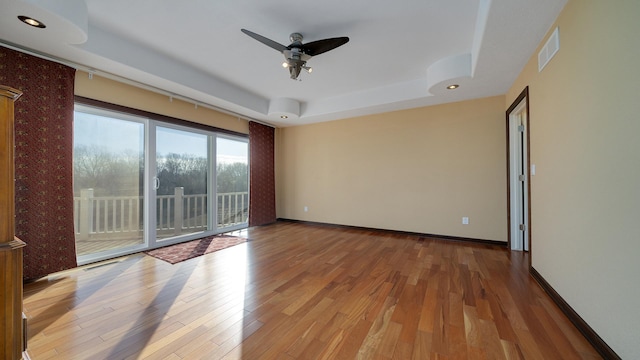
[[549, 49]]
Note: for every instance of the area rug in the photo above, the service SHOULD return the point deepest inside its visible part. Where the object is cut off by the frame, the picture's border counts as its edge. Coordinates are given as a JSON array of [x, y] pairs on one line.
[[188, 250]]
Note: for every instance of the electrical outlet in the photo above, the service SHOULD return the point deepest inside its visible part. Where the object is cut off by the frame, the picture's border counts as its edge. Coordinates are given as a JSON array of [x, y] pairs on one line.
[[465, 221], [306, 208]]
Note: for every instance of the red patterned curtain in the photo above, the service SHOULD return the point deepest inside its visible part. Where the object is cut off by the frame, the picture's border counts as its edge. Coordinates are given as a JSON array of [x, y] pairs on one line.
[[262, 184], [43, 160]]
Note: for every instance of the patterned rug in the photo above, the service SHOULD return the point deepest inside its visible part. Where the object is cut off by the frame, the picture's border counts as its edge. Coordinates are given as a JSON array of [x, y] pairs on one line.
[[188, 250]]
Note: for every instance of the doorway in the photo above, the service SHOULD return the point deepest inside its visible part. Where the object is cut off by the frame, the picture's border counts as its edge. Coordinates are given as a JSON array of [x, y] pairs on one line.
[[519, 189]]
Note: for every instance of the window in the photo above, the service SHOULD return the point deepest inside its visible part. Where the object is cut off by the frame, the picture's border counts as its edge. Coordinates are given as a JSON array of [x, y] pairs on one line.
[[232, 182], [141, 183]]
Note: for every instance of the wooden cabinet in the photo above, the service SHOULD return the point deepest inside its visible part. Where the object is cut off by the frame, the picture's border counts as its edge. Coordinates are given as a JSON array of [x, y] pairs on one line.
[[12, 342]]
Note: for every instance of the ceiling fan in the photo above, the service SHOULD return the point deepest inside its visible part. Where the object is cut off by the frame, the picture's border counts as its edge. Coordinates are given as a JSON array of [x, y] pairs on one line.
[[297, 54]]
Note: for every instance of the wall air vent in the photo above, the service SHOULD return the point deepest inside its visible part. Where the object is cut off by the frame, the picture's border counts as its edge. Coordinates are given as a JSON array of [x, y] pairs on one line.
[[549, 49]]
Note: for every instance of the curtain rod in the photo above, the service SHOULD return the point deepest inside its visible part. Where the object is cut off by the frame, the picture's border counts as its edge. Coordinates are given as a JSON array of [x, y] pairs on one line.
[[133, 83]]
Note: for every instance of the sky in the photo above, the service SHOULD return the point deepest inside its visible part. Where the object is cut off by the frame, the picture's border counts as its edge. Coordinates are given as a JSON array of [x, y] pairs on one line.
[[120, 136]]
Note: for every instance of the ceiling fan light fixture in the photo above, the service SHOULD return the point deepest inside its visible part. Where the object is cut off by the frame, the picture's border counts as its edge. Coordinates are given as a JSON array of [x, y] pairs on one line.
[[453, 86], [32, 22], [297, 53]]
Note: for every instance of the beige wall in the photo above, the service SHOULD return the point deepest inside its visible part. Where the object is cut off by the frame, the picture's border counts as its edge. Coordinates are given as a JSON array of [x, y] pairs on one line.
[[585, 124], [418, 170], [114, 92]]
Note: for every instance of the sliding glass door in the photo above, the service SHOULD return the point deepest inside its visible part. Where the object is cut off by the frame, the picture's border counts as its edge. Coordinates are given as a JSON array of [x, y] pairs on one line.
[[108, 182], [141, 183], [182, 191], [232, 182]]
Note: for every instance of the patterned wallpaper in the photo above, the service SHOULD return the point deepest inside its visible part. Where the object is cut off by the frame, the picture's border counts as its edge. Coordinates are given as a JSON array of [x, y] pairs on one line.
[[43, 160], [262, 186]]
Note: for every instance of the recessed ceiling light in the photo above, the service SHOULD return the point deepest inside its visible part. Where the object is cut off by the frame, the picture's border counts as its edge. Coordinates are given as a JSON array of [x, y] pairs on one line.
[[284, 117], [32, 22], [454, 86]]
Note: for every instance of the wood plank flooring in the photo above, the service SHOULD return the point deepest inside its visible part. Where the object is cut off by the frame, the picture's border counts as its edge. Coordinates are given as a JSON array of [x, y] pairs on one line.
[[298, 291]]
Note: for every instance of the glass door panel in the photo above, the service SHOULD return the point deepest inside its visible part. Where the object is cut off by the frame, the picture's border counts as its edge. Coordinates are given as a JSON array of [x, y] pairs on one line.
[[232, 182], [182, 165], [140, 184], [108, 183]]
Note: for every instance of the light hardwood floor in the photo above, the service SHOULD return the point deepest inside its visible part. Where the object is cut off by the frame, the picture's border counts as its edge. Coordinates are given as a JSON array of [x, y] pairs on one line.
[[297, 291]]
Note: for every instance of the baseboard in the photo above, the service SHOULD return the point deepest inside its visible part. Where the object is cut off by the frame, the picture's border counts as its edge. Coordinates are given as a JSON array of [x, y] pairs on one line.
[[436, 236], [573, 316]]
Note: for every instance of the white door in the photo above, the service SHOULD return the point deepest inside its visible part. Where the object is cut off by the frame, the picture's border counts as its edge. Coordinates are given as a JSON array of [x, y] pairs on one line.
[[518, 175]]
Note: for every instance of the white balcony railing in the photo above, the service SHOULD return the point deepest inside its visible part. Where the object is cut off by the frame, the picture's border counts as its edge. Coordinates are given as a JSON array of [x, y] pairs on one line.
[[121, 216]]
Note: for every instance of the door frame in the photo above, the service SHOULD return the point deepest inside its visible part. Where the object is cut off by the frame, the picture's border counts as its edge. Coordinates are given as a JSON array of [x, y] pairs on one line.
[[524, 96]]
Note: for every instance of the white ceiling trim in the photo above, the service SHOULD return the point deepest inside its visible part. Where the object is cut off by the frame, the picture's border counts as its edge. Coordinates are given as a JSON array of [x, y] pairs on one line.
[[481, 45]]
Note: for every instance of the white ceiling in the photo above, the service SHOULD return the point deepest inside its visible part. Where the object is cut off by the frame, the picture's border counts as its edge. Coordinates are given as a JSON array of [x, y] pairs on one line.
[[401, 54]]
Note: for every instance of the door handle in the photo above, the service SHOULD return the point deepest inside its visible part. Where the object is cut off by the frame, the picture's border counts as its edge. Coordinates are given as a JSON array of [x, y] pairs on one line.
[[156, 184]]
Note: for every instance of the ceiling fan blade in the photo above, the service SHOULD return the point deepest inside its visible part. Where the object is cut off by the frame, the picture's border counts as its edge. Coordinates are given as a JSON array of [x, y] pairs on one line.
[[270, 43], [321, 46]]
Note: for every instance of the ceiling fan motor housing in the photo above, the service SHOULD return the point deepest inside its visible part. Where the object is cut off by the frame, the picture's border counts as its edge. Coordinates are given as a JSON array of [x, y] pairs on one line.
[[294, 60]]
